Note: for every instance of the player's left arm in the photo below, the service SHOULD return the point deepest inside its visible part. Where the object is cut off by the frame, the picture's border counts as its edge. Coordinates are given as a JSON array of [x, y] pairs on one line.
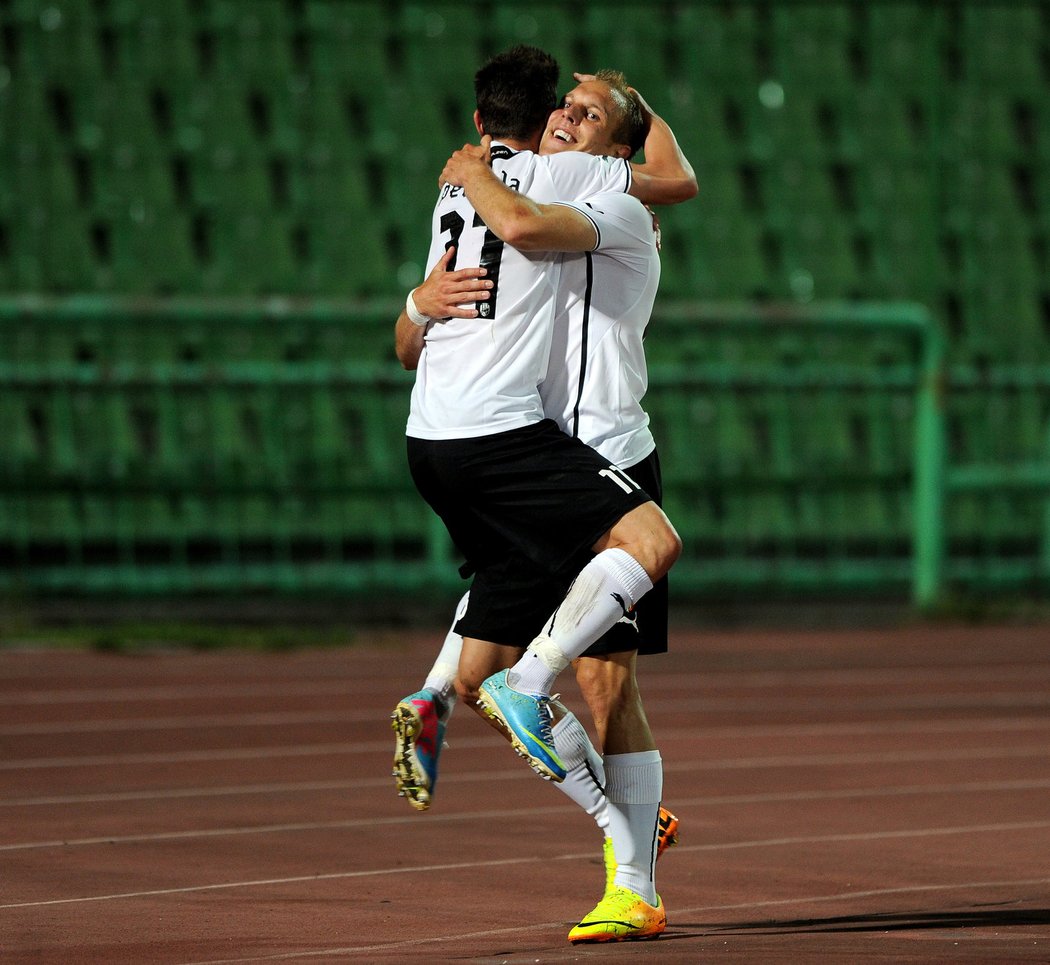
[[409, 341], [666, 176], [515, 219], [444, 294]]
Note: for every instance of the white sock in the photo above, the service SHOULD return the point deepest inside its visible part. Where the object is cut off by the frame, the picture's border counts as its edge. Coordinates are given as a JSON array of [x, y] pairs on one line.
[[600, 596], [634, 787], [584, 773], [442, 676]]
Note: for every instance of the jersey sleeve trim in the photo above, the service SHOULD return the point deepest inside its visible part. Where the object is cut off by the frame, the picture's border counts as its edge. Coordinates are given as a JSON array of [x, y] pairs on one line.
[[587, 215]]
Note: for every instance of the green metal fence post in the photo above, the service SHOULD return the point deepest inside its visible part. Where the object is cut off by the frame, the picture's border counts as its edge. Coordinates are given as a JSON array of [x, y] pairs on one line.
[[929, 482], [1044, 549]]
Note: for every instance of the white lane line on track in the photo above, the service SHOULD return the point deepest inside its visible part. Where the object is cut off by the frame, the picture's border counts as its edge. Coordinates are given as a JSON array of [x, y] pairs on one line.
[[670, 767], [655, 681], [869, 728], [559, 926], [284, 828], [773, 730], [844, 838], [905, 790], [816, 702], [777, 760], [208, 756], [225, 721], [153, 693]]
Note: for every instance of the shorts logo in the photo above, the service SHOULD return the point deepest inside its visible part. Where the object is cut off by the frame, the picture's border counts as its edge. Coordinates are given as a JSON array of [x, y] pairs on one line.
[[630, 615]]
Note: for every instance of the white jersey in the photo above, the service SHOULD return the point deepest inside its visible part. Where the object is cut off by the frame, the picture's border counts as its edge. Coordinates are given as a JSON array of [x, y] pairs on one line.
[[598, 375], [479, 376]]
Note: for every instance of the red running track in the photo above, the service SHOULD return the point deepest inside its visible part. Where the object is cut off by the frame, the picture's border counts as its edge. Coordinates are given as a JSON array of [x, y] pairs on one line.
[[875, 796]]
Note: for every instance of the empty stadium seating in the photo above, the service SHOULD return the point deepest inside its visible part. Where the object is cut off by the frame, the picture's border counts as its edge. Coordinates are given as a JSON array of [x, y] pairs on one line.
[[229, 126], [269, 149]]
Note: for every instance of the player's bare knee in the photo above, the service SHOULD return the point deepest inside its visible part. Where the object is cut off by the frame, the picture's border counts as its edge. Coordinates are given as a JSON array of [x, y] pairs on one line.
[[647, 535], [670, 548], [662, 548]]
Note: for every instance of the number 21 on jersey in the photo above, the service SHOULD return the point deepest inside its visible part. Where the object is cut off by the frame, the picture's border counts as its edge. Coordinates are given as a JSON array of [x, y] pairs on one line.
[[491, 255]]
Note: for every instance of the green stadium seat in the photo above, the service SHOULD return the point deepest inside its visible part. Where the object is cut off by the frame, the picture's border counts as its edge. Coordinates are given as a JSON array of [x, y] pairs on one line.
[[153, 252], [41, 176], [22, 425], [156, 44], [231, 175], [1032, 120], [636, 41], [57, 42], [348, 43], [1014, 311], [128, 178], [895, 213], [287, 108], [348, 257], [815, 232], [793, 129], [1005, 47], [25, 111], [700, 127], [447, 38], [208, 118], [731, 248], [812, 42], [333, 132], [720, 42], [547, 24], [983, 125], [324, 174], [879, 122], [253, 41], [54, 251], [903, 46], [241, 239]]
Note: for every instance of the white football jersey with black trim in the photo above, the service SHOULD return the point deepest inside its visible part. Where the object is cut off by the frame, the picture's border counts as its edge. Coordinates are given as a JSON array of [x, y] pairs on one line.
[[597, 374], [481, 376]]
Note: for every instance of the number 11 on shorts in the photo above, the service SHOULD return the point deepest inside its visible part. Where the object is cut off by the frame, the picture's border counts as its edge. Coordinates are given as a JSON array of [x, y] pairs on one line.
[[618, 476]]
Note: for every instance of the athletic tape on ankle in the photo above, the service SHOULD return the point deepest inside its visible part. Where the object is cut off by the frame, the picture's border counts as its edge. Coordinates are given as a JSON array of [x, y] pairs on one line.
[[550, 653], [442, 679]]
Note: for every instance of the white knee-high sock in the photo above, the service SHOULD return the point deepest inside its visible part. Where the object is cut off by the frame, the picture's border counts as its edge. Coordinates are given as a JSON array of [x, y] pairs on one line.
[[442, 676], [634, 787], [584, 773], [601, 595]]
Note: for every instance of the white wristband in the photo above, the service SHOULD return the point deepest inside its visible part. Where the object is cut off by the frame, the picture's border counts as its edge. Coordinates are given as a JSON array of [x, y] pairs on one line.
[[415, 316]]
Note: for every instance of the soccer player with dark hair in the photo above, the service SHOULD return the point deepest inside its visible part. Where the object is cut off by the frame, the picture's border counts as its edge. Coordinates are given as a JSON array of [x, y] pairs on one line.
[[513, 578]]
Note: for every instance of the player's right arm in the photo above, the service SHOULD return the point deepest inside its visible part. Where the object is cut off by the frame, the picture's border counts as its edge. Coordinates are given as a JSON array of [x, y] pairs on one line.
[[512, 217], [444, 294]]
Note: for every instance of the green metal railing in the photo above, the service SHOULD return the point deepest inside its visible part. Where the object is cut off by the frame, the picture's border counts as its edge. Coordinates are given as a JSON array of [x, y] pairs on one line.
[[891, 350], [206, 445]]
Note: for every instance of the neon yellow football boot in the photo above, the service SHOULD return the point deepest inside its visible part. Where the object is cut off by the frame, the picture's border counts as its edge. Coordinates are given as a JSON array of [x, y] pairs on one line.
[[621, 916]]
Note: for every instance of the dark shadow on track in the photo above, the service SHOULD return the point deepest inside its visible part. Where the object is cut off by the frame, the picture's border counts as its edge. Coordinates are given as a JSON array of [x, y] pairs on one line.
[[914, 921]]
